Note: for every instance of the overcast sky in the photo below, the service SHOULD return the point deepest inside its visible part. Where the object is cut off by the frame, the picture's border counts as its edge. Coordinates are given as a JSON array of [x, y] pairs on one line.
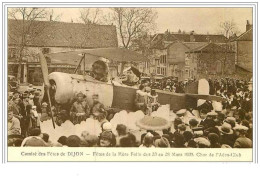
[[201, 20]]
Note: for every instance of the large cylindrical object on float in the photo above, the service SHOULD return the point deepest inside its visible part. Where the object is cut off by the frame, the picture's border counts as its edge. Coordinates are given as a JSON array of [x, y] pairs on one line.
[[69, 85]]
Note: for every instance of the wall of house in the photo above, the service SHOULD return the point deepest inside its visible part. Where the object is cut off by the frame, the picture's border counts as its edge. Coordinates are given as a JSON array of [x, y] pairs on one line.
[[176, 59], [158, 62], [245, 53], [191, 62], [212, 65]]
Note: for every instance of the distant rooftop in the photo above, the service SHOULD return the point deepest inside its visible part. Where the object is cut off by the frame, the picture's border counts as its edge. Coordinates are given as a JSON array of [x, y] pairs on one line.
[[185, 37], [62, 34]]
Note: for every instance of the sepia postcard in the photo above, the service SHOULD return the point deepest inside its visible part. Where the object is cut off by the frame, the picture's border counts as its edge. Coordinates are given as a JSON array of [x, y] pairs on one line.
[[153, 83]]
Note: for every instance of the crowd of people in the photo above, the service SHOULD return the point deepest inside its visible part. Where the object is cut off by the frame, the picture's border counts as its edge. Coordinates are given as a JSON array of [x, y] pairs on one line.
[[226, 126]]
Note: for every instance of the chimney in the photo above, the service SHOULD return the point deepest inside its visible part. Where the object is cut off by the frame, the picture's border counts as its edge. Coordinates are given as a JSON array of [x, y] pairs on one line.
[[248, 25], [192, 38], [50, 17]]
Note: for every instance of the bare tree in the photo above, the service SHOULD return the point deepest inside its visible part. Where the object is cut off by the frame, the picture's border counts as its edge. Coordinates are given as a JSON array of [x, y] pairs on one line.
[[91, 15], [25, 29], [131, 23], [228, 28]]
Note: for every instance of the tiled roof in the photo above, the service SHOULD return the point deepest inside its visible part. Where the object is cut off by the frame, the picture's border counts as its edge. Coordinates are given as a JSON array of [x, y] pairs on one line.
[[210, 47], [62, 34], [246, 36], [158, 44], [248, 68], [194, 45]]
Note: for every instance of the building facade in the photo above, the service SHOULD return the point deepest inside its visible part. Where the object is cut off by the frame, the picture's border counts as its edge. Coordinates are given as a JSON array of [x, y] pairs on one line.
[[243, 47], [173, 47], [210, 61], [51, 37]]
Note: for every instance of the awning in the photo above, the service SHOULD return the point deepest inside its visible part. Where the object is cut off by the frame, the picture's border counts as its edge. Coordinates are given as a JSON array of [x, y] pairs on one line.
[[115, 54]]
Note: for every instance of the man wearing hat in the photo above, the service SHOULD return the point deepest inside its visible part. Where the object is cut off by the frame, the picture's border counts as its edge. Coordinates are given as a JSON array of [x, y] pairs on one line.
[[226, 134], [210, 120], [79, 110], [180, 113], [242, 141], [36, 101], [121, 132], [107, 139], [45, 114]]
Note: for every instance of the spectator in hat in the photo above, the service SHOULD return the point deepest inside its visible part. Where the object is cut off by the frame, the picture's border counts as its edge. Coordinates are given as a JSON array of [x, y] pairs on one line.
[[231, 121], [73, 141], [162, 143], [36, 102], [176, 122], [128, 140], [107, 139], [242, 141], [226, 134], [214, 140], [179, 141], [203, 116], [91, 140], [182, 128], [121, 132], [62, 140], [79, 110], [16, 109], [202, 142], [14, 128], [188, 136], [210, 120], [45, 114], [46, 137], [35, 139], [106, 126], [249, 133], [147, 141], [193, 123]]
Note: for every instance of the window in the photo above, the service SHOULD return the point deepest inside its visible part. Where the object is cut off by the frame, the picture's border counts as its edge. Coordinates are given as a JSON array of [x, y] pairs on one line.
[[158, 70], [46, 50], [11, 52]]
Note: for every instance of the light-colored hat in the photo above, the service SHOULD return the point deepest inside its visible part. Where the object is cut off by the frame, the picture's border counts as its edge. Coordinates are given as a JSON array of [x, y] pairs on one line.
[[233, 108], [44, 104], [225, 146], [202, 140], [162, 142], [226, 128], [182, 127], [107, 126], [240, 128], [212, 113], [231, 119], [181, 111], [218, 107]]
